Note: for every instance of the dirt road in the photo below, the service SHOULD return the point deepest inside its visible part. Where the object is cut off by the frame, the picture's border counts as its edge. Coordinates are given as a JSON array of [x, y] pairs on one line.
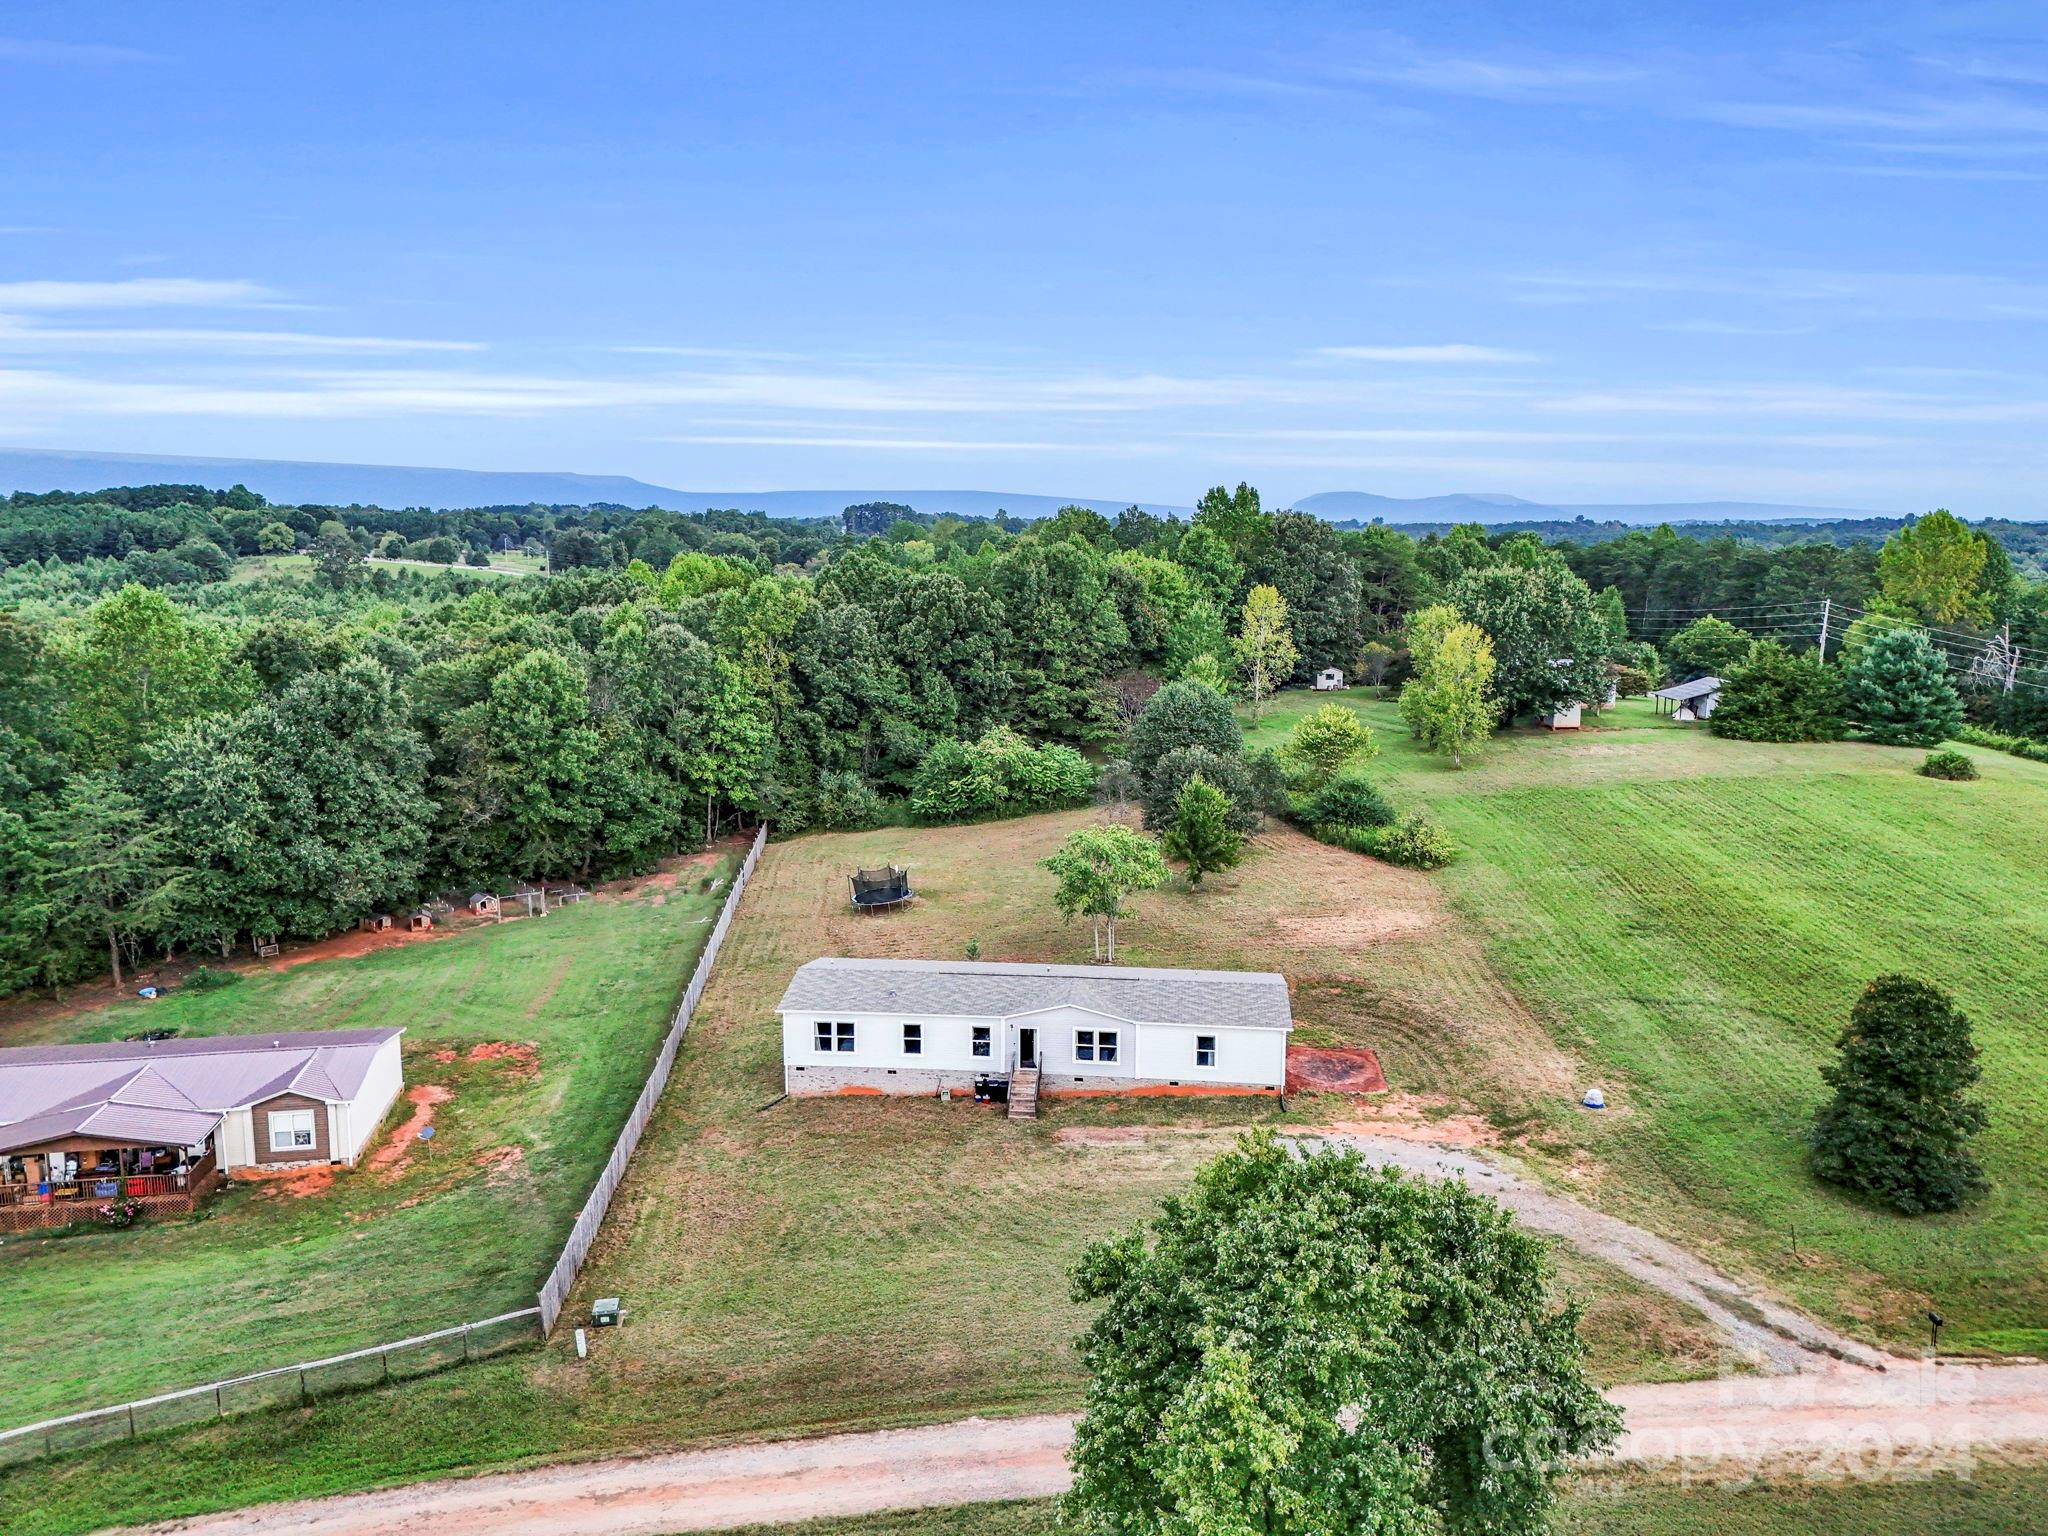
[[1907, 1419], [1775, 1338]]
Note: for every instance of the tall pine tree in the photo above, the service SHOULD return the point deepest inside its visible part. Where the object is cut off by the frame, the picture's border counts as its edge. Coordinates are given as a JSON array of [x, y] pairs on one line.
[[1900, 693]]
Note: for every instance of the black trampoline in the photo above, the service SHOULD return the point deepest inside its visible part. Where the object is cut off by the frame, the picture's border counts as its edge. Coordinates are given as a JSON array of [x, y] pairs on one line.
[[877, 888]]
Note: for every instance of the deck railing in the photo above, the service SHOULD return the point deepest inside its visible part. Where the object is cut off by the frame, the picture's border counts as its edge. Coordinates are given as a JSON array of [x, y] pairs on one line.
[[97, 1186]]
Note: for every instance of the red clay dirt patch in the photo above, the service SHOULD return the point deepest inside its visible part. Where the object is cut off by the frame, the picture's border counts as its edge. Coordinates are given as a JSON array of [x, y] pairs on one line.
[[294, 1183], [1333, 1069], [349, 946], [391, 1159]]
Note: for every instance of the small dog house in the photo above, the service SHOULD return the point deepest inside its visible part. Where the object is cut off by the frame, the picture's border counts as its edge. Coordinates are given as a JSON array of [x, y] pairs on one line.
[[483, 904], [1329, 678], [376, 922], [419, 920]]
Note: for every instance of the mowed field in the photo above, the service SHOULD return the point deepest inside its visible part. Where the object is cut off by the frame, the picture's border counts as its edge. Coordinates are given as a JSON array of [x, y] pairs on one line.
[[527, 1040], [1695, 918], [852, 1262]]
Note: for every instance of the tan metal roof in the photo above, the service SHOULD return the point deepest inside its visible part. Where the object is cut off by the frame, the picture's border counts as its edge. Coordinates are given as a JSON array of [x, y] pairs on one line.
[[156, 1091]]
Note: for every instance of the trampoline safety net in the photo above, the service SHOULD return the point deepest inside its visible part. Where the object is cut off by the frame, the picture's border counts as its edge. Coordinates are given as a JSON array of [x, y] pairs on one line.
[[880, 887]]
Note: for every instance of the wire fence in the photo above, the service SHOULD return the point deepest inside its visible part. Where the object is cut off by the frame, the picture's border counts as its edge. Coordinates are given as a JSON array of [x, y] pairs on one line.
[[281, 1386], [554, 1291], [423, 1354]]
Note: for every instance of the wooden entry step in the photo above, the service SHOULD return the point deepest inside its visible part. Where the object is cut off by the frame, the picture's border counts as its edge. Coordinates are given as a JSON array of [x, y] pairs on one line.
[[1024, 1094]]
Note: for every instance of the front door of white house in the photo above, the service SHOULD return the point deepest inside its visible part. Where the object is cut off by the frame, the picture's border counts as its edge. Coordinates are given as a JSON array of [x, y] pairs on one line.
[[1027, 1047]]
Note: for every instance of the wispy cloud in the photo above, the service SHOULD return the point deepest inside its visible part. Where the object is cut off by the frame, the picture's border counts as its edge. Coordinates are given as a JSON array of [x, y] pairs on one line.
[[903, 444], [1443, 352], [131, 293], [1526, 75], [17, 336], [38, 50]]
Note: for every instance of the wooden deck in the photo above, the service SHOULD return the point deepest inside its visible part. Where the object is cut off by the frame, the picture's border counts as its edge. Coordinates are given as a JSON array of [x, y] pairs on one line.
[[23, 1209]]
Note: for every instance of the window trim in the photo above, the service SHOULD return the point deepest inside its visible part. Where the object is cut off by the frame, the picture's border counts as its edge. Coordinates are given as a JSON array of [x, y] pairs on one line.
[[981, 1040], [1210, 1064], [1104, 1046], [832, 1036], [913, 1039], [290, 1130]]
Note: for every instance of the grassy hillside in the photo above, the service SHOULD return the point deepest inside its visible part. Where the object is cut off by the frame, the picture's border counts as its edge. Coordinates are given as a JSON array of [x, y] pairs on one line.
[[1695, 917], [568, 1011]]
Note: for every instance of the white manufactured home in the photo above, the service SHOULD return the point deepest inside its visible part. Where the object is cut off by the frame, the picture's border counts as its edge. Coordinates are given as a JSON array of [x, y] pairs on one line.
[[920, 1026]]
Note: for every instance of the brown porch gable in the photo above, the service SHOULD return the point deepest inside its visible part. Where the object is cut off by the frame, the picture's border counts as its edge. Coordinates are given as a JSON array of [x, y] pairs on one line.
[[259, 1124]]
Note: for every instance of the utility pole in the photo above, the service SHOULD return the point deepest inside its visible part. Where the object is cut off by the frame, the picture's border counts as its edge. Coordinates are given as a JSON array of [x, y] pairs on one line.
[[1827, 608], [2012, 658]]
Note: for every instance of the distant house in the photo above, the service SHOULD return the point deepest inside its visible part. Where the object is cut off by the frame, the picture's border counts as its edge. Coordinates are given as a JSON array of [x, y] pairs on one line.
[[161, 1121], [918, 1026], [1329, 678], [1689, 701]]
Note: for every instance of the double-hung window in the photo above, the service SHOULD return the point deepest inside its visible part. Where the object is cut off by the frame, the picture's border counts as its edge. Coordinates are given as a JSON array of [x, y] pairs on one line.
[[1095, 1045], [983, 1043], [832, 1036], [913, 1039], [1205, 1050], [291, 1130]]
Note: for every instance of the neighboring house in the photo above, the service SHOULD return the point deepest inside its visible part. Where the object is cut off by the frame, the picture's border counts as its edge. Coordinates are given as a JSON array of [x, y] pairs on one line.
[[1329, 678], [1689, 701], [163, 1120], [919, 1026]]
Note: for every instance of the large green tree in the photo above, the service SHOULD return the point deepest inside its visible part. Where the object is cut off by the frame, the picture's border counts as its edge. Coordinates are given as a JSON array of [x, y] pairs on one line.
[[1097, 870], [104, 869], [136, 665], [1450, 704], [1899, 1125], [1303, 1345], [1265, 646], [1549, 639], [1706, 647], [1899, 691], [1932, 567], [1182, 714]]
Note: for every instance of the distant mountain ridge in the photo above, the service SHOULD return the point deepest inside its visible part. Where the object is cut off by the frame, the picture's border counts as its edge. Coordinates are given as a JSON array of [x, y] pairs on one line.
[[294, 481]]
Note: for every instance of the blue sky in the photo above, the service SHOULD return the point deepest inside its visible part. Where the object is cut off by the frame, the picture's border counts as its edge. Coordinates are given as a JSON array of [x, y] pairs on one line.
[[1576, 252]]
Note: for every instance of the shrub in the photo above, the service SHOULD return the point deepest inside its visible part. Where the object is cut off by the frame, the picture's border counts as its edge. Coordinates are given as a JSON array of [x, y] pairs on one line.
[[845, 802], [208, 978], [1348, 800], [1948, 764], [1998, 741], [1631, 683], [118, 1214], [1228, 774], [1899, 691], [1777, 696], [1416, 843], [1002, 774], [1183, 714], [1900, 1119], [1201, 836], [1323, 742]]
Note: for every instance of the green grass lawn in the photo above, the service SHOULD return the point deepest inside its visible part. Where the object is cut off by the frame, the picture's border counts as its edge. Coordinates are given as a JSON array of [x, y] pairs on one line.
[[1996, 1501], [456, 1231], [1693, 918]]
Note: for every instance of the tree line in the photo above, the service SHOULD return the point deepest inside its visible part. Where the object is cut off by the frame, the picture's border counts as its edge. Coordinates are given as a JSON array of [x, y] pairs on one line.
[[189, 765]]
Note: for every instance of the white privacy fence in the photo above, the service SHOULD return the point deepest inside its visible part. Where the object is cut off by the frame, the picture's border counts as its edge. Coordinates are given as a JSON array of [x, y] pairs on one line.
[[423, 1353], [554, 1291]]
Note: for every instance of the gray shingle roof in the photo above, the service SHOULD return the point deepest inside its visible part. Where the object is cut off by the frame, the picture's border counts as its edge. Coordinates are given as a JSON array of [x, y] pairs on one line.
[[988, 989]]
